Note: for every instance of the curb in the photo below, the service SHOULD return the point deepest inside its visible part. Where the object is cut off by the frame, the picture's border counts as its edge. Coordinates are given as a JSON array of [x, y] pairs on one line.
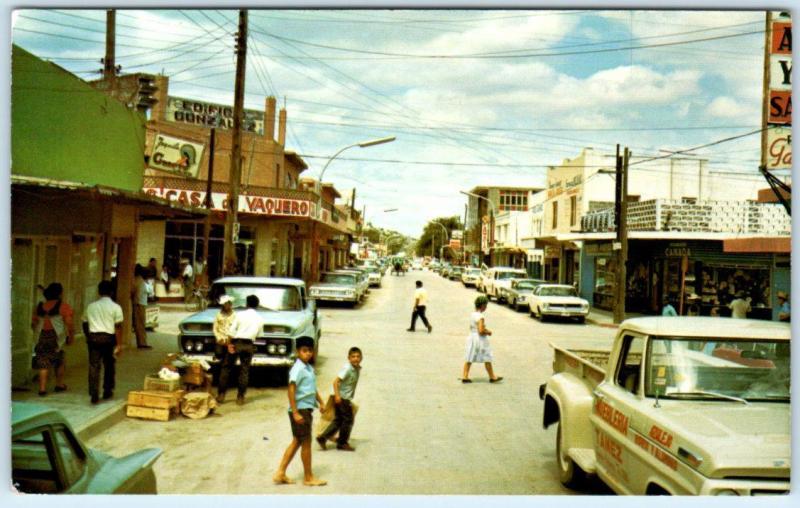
[[602, 324], [102, 422]]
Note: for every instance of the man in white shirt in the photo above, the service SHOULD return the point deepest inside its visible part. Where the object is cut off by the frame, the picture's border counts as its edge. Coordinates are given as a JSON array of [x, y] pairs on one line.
[[244, 330], [739, 306], [139, 296], [188, 279], [420, 304], [102, 325]]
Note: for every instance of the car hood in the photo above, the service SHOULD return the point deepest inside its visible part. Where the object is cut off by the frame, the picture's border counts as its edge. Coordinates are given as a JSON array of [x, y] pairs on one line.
[[733, 439], [561, 300], [290, 318], [331, 285]]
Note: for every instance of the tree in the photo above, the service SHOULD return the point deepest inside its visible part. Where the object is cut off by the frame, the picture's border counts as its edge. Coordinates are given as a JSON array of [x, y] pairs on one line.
[[433, 238]]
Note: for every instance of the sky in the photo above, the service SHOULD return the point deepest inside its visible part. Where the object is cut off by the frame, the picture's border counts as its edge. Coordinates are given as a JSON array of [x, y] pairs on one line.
[[480, 97]]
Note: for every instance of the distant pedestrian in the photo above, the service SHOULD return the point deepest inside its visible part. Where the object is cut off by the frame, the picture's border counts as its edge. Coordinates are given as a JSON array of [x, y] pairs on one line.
[[151, 269], [668, 309], [53, 328], [187, 276], [139, 297], [420, 304], [303, 398], [739, 306], [165, 278], [478, 347], [784, 309], [244, 330], [102, 325], [344, 388]]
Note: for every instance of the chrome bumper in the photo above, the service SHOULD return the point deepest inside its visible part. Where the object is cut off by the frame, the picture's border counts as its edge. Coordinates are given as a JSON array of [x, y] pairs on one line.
[[565, 312], [258, 361]]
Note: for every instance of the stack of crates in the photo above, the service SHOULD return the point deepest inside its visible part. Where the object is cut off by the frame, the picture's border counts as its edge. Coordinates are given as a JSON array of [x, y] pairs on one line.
[[160, 400]]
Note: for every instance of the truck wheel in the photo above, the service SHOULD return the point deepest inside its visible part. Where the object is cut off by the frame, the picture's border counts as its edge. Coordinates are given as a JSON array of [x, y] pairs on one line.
[[569, 473]]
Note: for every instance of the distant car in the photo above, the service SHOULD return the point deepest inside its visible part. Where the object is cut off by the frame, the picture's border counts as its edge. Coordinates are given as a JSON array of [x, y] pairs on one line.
[[455, 273], [416, 265], [558, 300], [374, 276], [362, 281], [48, 458], [499, 278], [470, 276], [445, 271], [337, 287], [286, 309], [519, 294]]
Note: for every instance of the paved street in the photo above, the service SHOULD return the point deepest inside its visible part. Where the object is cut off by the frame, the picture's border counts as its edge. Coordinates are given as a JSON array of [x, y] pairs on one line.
[[419, 429]]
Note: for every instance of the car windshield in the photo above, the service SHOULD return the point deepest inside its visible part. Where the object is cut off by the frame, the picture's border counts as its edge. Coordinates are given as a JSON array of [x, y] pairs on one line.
[[715, 369], [558, 291], [510, 275], [474, 271], [525, 285], [270, 297], [339, 278]]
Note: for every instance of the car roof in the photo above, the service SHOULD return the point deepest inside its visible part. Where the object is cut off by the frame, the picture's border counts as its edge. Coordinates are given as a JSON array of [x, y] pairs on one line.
[[555, 286], [24, 411], [283, 281], [703, 326], [506, 269], [340, 272]]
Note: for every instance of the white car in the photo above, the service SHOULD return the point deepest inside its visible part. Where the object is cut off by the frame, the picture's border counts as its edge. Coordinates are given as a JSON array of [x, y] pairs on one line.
[[558, 300], [497, 279], [470, 276], [416, 265]]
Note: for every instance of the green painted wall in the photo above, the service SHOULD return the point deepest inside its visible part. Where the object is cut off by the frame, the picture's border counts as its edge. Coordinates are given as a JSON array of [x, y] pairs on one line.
[[63, 129]]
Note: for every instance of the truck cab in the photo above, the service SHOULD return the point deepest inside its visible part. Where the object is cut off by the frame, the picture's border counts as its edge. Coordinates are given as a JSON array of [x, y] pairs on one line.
[[675, 406]]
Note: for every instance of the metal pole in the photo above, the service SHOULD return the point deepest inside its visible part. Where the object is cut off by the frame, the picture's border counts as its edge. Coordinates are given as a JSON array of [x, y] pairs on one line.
[[623, 234], [209, 203], [618, 279], [236, 145]]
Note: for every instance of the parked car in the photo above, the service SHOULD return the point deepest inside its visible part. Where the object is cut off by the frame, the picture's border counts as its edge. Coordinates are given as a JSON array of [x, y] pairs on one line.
[[660, 411], [558, 300], [374, 276], [47, 457], [455, 273], [416, 265], [519, 294], [470, 276], [337, 287], [284, 305], [498, 278], [362, 281]]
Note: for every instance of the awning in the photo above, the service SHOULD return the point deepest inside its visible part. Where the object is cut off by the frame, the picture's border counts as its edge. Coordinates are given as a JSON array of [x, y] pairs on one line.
[[774, 245], [149, 205], [509, 249]]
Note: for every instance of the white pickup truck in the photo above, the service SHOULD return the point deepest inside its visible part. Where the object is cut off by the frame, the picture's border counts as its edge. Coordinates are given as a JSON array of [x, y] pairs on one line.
[[675, 406]]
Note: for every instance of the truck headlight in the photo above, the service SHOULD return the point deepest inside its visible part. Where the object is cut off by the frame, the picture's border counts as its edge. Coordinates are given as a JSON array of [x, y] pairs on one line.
[[727, 492], [271, 349], [546, 305], [188, 345], [198, 346], [282, 349], [521, 299]]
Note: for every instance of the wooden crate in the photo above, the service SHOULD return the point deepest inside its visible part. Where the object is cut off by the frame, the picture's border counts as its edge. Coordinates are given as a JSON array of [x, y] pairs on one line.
[[155, 399], [150, 413], [164, 385]]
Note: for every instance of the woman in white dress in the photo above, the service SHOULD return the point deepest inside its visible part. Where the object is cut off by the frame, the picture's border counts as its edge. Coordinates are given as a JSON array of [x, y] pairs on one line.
[[478, 347]]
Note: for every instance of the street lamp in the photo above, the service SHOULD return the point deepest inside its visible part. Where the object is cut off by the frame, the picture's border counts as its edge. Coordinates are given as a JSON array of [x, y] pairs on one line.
[[447, 235]]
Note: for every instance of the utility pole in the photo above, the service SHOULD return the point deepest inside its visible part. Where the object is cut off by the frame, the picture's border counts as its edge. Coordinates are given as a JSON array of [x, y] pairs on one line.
[[209, 203], [231, 220], [621, 244], [109, 64]]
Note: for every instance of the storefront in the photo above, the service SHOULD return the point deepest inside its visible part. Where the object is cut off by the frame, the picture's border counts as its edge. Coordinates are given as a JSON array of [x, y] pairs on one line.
[[696, 276]]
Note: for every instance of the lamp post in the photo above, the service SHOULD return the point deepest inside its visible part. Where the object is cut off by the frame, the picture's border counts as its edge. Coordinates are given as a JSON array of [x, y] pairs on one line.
[[491, 207], [315, 240], [446, 233]]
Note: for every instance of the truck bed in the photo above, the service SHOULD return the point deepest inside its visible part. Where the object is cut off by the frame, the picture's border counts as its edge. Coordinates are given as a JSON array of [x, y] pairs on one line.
[[584, 358]]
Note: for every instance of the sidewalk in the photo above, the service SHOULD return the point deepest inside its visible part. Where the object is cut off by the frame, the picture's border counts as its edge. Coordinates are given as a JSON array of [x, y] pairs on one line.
[[606, 318], [131, 368]]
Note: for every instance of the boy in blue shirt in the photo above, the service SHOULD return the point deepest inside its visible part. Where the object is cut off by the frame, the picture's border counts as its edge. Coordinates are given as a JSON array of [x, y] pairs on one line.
[[303, 398], [344, 388]]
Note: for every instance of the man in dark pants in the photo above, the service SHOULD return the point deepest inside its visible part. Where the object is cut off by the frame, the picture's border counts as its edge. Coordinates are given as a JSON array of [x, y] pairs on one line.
[[244, 330], [420, 303], [102, 325]]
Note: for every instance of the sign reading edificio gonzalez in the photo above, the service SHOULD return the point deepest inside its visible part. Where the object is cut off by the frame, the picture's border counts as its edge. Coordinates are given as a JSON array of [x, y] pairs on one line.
[[176, 155], [206, 114]]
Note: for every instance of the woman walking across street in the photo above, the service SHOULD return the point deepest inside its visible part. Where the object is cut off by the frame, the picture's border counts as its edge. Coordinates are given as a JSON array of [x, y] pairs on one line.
[[53, 328], [478, 347]]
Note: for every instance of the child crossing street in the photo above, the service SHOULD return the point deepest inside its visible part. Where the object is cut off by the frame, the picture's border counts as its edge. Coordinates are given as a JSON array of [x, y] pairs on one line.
[[344, 388]]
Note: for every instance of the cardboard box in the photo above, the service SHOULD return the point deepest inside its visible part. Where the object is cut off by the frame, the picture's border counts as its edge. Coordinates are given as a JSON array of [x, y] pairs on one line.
[[150, 413]]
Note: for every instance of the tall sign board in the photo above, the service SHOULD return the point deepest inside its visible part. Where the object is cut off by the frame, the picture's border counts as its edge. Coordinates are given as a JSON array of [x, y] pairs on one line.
[[776, 142]]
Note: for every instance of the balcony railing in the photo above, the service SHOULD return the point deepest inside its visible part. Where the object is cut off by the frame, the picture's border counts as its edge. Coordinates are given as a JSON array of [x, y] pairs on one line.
[[702, 216]]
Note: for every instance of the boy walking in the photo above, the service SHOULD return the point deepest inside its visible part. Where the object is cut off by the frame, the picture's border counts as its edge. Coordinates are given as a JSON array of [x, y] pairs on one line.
[[303, 398], [344, 387]]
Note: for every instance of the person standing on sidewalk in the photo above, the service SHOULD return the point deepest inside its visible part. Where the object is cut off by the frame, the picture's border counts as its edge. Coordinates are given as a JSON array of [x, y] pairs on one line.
[[478, 347], [344, 388], [784, 309], [53, 328], [187, 276], [739, 306], [139, 297], [102, 325], [244, 330], [420, 304]]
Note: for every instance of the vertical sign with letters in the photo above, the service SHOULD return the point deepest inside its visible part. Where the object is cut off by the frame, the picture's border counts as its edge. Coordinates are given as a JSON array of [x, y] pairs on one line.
[[778, 134]]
